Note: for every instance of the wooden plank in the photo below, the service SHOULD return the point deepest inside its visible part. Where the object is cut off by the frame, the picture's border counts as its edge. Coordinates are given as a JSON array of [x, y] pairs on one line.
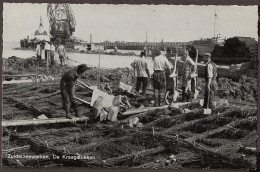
[[85, 85], [16, 81], [25, 147], [81, 100], [41, 121], [135, 111]]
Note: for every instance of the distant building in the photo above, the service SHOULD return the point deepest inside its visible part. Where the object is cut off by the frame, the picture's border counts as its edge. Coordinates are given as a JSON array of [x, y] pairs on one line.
[[41, 33]]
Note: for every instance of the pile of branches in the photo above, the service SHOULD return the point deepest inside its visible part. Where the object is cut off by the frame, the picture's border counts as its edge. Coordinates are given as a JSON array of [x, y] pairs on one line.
[[245, 89]]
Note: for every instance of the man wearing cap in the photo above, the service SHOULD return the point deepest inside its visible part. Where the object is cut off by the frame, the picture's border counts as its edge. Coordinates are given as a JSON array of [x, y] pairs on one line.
[[67, 86], [161, 64], [210, 81], [141, 67], [188, 69]]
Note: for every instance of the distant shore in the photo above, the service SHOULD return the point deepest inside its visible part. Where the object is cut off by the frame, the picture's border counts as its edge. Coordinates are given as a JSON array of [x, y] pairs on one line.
[[87, 51]]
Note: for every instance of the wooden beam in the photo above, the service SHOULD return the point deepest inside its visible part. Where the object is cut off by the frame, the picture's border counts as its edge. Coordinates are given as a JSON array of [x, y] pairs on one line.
[[81, 100], [17, 81], [85, 85], [135, 111], [25, 147], [41, 121]]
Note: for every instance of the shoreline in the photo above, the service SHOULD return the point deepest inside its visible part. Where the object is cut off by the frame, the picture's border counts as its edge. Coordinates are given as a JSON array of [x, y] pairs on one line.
[[87, 52]]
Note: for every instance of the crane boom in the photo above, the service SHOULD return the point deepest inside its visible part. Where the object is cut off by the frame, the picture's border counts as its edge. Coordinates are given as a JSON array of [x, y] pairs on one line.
[[62, 21]]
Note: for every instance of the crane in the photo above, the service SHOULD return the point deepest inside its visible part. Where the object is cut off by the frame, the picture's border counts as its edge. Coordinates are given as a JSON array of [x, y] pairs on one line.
[[62, 22]]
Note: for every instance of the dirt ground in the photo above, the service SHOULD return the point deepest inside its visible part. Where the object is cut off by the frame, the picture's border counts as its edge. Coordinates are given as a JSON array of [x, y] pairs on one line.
[[168, 139]]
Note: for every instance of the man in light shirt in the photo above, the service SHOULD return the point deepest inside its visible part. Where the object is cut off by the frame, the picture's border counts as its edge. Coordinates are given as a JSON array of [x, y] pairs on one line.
[[161, 64], [52, 53], [210, 81], [141, 67], [38, 54], [62, 54], [188, 69]]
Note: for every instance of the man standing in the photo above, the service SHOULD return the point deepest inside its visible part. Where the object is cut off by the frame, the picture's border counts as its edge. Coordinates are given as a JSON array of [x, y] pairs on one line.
[[38, 54], [47, 48], [52, 53], [188, 69], [161, 64], [67, 86], [210, 81], [141, 67], [62, 54]]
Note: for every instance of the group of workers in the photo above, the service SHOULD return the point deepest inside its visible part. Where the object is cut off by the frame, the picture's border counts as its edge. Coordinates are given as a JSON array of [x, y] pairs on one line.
[[46, 50], [162, 67]]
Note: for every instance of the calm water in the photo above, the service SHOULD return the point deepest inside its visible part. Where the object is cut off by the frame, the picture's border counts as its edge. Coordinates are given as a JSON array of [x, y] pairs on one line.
[[106, 61]]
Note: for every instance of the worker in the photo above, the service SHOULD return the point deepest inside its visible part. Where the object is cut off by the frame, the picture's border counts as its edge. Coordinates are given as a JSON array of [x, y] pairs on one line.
[[47, 48], [161, 65], [210, 81], [52, 53], [67, 86], [62, 54], [188, 70], [42, 49], [141, 67], [38, 54]]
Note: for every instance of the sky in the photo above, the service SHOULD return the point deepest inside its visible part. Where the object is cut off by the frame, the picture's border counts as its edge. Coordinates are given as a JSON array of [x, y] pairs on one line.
[[172, 23]]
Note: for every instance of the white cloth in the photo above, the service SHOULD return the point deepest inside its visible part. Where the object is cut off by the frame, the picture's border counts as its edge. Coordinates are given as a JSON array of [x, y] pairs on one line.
[[161, 63]]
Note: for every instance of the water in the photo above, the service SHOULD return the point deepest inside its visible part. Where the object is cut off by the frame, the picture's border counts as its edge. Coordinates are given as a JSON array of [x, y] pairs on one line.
[[106, 61]]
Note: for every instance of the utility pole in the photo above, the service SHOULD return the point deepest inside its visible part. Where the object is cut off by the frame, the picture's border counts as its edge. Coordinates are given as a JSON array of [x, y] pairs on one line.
[[215, 24], [146, 45], [99, 65]]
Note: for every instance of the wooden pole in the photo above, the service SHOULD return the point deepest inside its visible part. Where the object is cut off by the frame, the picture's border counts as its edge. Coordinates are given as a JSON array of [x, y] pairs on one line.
[[40, 121], [99, 65]]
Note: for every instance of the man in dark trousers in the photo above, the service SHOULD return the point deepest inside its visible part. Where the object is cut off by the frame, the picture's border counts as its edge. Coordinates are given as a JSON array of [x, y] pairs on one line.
[[67, 86], [161, 64], [210, 81], [141, 68]]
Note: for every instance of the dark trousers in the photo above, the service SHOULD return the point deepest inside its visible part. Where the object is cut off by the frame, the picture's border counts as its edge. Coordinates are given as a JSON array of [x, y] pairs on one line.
[[52, 58], [159, 82], [39, 60], [186, 95], [62, 60], [68, 98], [209, 96], [142, 81]]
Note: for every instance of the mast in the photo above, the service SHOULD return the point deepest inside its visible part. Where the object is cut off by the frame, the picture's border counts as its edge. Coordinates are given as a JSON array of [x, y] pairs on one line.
[[146, 45], [215, 24]]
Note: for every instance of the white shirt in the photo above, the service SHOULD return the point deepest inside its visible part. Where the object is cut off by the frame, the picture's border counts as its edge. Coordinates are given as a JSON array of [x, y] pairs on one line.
[[209, 69], [38, 50], [140, 65], [161, 63], [47, 46], [52, 48]]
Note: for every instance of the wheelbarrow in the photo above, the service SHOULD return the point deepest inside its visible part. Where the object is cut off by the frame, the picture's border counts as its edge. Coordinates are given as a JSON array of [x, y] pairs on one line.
[[108, 100]]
